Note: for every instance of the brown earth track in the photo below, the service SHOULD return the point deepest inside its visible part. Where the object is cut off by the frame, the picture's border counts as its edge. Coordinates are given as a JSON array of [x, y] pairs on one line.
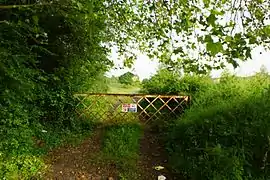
[[152, 154], [79, 163]]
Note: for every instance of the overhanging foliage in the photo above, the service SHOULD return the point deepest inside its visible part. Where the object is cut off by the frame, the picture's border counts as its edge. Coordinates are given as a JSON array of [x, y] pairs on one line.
[[196, 35]]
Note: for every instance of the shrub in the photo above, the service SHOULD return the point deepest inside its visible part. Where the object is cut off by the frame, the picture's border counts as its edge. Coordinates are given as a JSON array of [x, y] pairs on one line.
[[169, 82], [225, 133], [47, 54], [127, 78]]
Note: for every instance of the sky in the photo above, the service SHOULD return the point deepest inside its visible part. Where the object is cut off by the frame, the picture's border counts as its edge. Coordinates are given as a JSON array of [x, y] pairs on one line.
[[145, 68], [259, 57]]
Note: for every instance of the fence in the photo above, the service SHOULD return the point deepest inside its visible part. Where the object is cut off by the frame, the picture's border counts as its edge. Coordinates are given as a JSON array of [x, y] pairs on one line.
[[112, 107]]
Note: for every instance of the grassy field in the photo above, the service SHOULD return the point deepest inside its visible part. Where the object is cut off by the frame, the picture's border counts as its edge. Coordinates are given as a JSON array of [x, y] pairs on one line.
[[123, 89]]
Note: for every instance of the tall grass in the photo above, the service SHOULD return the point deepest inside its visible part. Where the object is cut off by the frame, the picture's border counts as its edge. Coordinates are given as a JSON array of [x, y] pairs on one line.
[[226, 132], [121, 146]]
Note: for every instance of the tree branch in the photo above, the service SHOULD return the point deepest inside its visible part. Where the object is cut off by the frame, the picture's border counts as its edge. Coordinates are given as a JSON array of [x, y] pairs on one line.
[[21, 6], [6, 22]]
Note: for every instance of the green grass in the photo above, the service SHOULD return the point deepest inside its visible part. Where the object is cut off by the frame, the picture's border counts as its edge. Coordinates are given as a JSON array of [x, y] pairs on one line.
[[121, 146], [104, 108], [225, 132], [124, 89]]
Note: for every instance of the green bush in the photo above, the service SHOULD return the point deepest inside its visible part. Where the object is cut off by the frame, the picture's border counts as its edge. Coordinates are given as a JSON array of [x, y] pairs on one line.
[[169, 82], [48, 52], [128, 79], [225, 134]]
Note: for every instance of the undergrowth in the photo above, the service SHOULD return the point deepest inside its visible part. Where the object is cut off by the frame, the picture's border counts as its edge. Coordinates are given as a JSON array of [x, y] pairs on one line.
[[47, 55], [224, 134], [121, 146]]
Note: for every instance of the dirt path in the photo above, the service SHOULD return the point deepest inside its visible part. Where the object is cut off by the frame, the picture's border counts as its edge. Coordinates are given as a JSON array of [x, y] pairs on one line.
[[152, 154], [79, 163]]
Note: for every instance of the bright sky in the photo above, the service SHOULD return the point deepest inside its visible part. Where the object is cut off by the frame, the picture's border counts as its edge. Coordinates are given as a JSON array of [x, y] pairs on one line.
[[144, 67], [259, 57]]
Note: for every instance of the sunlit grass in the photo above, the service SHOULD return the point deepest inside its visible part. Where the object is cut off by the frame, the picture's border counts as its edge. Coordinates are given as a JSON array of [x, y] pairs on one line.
[[123, 89]]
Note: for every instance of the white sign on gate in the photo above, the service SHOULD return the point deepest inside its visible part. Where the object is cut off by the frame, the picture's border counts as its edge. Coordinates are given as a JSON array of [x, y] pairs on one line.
[[129, 107]]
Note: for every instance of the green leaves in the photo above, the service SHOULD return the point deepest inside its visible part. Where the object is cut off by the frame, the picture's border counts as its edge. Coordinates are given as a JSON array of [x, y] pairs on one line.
[[168, 81], [211, 19], [127, 78], [228, 38], [79, 5], [266, 30], [248, 53], [206, 3], [178, 50], [192, 21], [128, 62], [47, 54], [213, 48], [223, 134], [35, 19]]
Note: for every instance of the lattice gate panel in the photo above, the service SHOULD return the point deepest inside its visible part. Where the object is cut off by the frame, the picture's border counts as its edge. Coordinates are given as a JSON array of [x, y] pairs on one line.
[[108, 107]]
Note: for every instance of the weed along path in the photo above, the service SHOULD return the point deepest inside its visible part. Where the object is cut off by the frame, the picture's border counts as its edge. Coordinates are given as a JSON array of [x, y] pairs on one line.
[[115, 152]]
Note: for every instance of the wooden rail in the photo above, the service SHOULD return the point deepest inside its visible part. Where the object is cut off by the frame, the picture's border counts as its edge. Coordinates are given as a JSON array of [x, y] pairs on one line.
[[147, 107]]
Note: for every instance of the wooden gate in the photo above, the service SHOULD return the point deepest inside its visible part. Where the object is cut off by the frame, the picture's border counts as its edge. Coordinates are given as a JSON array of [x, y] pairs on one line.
[[112, 107]]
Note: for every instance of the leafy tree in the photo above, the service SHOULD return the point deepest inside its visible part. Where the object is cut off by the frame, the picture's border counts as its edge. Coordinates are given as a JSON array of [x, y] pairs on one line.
[[194, 35], [113, 79], [49, 51], [170, 82], [145, 81], [127, 78]]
